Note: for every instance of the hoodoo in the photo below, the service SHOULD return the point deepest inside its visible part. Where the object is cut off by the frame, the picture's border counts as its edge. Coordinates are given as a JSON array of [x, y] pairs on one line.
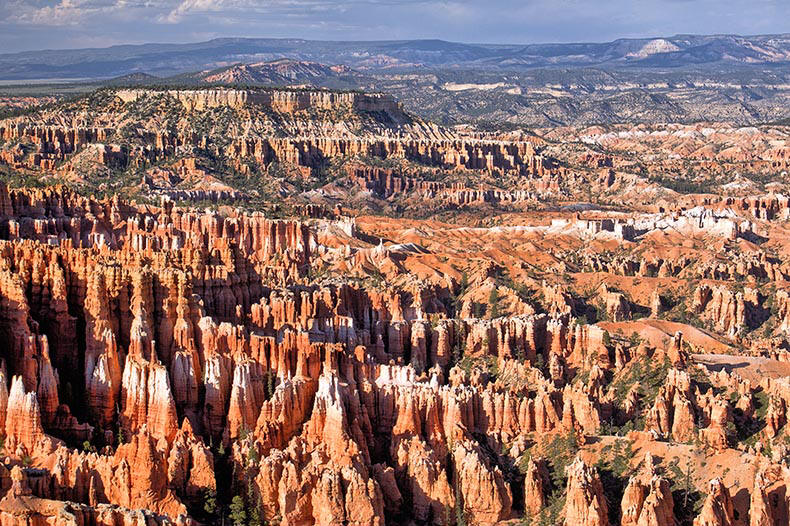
[[257, 305]]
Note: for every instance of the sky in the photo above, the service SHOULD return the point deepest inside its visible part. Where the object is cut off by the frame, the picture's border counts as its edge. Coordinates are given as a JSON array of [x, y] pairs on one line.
[[58, 24]]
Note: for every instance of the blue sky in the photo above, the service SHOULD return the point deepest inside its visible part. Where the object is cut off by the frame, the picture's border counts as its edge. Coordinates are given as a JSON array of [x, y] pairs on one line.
[[55, 24]]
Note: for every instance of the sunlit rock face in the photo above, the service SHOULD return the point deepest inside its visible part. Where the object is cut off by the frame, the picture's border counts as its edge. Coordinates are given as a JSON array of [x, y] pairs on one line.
[[480, 354]]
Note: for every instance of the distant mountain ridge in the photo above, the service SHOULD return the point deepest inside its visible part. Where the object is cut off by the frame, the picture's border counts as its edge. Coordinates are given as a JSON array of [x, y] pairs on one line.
[[278, 72], [679, 51]]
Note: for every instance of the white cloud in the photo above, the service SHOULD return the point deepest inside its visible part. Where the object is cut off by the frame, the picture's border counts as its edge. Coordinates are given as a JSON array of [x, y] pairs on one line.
[[243, 10], [34, 24], [191, 6], [72, 12]]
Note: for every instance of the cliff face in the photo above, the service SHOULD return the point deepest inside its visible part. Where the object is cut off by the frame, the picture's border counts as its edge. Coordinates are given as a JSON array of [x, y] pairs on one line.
[[248, 130], [310, 149], [281, 101], [386, 183]]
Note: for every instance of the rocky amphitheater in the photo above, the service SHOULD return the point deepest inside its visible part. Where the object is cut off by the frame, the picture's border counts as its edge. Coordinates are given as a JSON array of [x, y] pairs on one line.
[[296, 307]]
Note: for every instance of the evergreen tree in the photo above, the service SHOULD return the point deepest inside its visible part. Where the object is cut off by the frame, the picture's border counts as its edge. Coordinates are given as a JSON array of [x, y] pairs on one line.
[[210, 502], [493, 303], [238, 512]]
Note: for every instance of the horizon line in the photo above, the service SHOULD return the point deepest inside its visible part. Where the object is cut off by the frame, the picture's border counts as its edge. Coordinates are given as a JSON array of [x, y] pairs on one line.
[[425, 39]]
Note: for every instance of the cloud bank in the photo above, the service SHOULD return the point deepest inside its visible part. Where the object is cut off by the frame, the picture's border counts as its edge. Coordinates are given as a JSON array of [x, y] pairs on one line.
[[37, 24]]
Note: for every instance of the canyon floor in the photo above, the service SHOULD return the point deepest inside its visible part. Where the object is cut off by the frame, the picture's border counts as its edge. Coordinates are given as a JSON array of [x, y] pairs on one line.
[[299, 306]]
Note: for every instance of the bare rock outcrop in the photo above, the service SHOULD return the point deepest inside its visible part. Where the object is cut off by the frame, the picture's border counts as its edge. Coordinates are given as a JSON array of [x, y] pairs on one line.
[[647, 499], [718, 508], [585, 503]]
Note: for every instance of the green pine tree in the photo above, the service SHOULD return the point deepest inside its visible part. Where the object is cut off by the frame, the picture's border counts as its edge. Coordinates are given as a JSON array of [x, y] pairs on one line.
[[210, 502], [238, 512], [493, 303]]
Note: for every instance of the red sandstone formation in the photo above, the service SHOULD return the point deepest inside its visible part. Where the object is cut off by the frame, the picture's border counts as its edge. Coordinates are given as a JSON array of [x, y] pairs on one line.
[[536, 485], [761, 509], [585, 501], [718, 509], [647, 500], [307, 143], [381, 370]]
